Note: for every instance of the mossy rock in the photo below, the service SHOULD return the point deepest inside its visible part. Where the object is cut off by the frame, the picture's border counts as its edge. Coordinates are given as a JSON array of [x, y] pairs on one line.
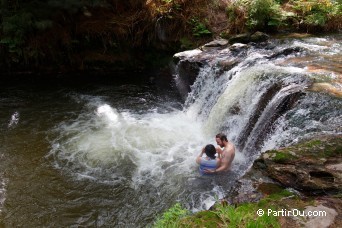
[[313, 166]]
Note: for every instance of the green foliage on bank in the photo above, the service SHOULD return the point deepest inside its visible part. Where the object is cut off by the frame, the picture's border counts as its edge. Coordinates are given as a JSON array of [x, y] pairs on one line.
[[171, 217], [243, 215], [293, 14], [74, 33], [199, 29]]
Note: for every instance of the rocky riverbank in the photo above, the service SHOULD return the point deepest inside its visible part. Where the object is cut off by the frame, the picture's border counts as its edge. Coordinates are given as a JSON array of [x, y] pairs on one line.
[[312, 170], [297, 186]]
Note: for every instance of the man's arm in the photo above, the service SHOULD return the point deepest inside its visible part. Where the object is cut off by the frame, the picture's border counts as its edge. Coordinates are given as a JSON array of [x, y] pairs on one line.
[[224, 165]]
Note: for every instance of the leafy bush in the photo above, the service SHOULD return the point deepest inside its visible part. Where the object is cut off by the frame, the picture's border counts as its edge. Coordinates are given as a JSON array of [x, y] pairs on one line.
[[255, 14], [198, 28], [298, 14], [316, 12], [263, 13]]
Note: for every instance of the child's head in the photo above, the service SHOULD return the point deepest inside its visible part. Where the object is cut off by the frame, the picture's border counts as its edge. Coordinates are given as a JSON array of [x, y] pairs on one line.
[[210, 151]]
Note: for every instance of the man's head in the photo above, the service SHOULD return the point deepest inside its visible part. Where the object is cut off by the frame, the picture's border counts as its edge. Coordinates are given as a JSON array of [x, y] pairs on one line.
[[221, 139], [210, 151]]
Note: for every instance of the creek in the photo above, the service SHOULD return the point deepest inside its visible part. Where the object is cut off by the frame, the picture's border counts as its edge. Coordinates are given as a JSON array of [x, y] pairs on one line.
[[118, 150]]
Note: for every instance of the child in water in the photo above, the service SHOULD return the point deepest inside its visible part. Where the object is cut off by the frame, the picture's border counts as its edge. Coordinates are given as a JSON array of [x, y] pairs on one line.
[[210, 162]]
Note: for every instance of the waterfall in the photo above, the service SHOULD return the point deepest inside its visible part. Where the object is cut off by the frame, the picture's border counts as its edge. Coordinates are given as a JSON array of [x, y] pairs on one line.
[[258, 95], [256, 100]]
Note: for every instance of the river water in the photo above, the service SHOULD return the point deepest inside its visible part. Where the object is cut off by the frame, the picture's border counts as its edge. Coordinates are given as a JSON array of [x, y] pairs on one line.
[[97, 152], [118, 150]]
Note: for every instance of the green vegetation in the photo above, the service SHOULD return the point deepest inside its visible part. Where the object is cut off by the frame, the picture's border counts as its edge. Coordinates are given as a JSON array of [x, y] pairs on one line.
[[171, 217], [264, 13], [324, 149], [316, 148], [317, 12], [294, 14], [243, 215], [198, 28], [313, 143], [282, 157], [79, 33]]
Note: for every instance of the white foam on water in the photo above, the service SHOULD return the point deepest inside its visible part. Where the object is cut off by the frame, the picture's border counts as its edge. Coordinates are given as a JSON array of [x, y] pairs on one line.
[[207, 199], [159, 149], [14, 119], [312, 46], [150, 144]]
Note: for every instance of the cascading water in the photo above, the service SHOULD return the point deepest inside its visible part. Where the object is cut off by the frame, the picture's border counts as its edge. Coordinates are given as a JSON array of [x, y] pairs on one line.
[[242, 104], [123, 154], [259, 100]]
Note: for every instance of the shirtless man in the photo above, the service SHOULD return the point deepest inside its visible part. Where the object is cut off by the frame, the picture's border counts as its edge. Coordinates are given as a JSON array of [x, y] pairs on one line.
[[226, 154]]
